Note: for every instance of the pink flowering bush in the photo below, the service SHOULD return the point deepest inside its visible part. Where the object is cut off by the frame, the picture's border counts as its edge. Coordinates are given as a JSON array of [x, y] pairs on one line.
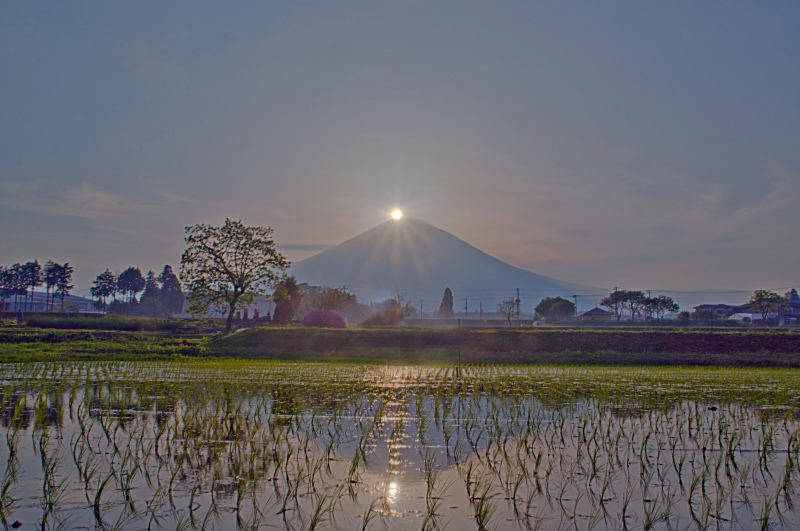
[[324, 319]]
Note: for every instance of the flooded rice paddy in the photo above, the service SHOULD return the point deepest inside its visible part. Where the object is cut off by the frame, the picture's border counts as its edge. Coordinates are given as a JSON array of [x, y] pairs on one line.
[[257, 445]]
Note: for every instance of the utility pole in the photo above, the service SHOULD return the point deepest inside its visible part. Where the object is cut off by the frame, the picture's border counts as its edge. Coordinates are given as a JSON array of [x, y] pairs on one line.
[[481, 314], [458, 370], [576, 305], [420, 308], [466, 308], [518, 301]]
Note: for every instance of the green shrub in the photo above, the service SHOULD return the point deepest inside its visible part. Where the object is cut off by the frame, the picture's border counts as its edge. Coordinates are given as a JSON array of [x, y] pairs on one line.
[[106, 322]]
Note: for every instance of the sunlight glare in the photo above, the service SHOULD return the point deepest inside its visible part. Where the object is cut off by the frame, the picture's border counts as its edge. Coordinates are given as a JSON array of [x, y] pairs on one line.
[[397, 213]]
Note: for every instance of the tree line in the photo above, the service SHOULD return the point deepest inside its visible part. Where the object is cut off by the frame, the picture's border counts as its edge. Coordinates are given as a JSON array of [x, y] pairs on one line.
[[637, 303], [18, 279], [162, 295]]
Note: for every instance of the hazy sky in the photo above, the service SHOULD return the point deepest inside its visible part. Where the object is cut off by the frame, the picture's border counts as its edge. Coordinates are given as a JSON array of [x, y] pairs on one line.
[[648, 145]]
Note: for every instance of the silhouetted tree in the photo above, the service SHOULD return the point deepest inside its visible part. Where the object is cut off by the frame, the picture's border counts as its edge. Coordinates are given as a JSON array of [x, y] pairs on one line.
[[446, 306], [150, 303], [287, 299], [32, 275], [6, 287], [63, 279], [103, 286], [129, 283], [50, 271], [171, 294], [554, 309], [508, 309], [17, 282], [332, 299], [621, 300], [766, 302], [614, 302], [226, 267], [634, 301], [664, 305]]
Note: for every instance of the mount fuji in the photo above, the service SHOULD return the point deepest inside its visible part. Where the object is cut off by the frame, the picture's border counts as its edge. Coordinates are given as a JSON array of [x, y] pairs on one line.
[[419, 260]]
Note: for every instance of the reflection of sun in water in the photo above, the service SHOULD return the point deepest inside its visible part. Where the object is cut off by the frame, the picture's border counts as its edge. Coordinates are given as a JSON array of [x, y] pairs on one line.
[[391, 492], [397, 213]]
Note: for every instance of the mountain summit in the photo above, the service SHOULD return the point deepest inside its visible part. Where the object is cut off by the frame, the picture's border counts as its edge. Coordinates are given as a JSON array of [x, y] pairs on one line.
[[420, 260]]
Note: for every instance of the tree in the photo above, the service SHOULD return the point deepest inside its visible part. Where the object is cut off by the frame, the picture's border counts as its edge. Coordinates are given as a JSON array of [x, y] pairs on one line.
[[32, 277], [333, 299], [17, 282], [103, 286], [766, 302], [63, 279], [129, 283], [287, 297], [554, 309], [446, 306], [614, 302], [150, 304], [395, 310], [664, 305], [226, 267], [50, 271], [649, 307], [622, 300], [508, 309], [171, 294], [6, 287]]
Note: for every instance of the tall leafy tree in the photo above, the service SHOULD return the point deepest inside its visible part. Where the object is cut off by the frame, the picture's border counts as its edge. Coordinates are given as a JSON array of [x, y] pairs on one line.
[[664, 305], [129, 283], [17, 282], [171, 294], [103, 287], [333, 299], [6, 287], [225, 267], [63, 282], [766, 303], [150, 304], [287, 297], [634, 301], [32, 275], [555, 309], [446, 306], [615, 302], [50, 272]]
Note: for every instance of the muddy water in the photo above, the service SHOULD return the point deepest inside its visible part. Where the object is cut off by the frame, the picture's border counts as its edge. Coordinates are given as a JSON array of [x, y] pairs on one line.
[[217, 446]]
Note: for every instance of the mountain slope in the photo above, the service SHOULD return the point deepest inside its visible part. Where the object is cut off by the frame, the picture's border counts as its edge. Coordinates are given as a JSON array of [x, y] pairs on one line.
[[414, 257]]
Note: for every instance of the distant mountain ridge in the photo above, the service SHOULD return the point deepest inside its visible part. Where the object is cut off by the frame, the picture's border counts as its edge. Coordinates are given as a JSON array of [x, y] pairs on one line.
[[414, 257]]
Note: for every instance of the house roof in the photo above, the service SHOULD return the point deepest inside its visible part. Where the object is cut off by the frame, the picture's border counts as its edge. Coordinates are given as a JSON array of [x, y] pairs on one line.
[[594, 312]]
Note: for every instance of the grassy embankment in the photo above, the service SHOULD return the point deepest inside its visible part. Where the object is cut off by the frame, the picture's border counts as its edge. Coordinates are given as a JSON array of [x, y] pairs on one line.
[[542, 346], [120, 338], [45, 338]]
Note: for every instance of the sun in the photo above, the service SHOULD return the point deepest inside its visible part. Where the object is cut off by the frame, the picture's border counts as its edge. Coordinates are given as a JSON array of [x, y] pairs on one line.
[[397, 213]]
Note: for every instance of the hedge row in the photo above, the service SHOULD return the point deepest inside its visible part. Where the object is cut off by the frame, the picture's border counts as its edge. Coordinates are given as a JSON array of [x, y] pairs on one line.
[[516, 340], [106, 322]]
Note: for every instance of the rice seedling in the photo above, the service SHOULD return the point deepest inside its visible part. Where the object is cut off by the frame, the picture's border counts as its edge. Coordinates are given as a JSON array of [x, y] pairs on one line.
[[216, 444]]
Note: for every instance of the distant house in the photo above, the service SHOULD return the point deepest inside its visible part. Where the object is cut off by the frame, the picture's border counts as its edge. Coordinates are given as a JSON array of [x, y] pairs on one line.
[[722, 310], [595, 314], [793, 300]]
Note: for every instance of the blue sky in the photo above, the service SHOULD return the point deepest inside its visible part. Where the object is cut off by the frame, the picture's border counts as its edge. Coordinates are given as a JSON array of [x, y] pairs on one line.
[[646, 145]]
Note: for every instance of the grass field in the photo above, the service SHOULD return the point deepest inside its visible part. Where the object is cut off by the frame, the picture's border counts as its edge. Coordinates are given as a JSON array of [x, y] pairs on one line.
[[164, 339]]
